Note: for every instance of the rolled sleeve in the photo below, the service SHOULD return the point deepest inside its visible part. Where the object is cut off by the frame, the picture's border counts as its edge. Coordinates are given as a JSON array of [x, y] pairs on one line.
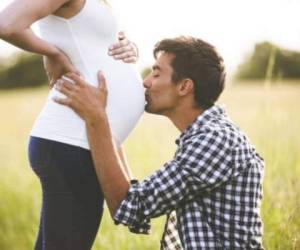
[[130, 214], [155, 196]]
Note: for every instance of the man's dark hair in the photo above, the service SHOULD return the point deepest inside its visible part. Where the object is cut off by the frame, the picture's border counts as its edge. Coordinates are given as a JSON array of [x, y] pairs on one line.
[[199, 61]]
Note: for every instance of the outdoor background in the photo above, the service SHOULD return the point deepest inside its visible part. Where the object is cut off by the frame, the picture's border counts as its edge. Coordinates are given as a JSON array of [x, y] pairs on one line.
[[260, 41]]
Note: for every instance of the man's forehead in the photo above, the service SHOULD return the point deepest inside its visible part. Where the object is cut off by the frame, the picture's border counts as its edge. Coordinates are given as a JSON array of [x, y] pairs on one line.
[[163, 61]]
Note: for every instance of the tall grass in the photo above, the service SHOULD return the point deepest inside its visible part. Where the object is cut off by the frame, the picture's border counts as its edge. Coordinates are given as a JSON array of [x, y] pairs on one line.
[[270, 117]]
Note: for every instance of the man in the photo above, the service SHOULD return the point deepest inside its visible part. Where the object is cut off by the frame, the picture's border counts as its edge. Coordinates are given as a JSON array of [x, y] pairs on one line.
[[212, 188]]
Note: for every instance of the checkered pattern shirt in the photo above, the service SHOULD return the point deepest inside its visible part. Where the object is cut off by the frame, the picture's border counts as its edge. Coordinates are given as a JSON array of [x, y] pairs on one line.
[[211, 190]]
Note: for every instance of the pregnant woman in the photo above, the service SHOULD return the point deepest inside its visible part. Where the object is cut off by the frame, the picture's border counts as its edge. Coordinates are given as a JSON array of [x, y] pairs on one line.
[[75, 37]]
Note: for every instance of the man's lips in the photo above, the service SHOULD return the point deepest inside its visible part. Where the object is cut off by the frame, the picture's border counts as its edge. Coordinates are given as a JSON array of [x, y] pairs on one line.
[[147, 97]]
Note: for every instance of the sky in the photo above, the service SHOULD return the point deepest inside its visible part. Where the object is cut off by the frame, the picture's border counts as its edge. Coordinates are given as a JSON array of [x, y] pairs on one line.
[[233, 26]]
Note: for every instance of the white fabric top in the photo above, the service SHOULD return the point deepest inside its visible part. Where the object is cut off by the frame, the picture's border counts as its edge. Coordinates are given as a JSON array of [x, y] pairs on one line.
[[85, 38]]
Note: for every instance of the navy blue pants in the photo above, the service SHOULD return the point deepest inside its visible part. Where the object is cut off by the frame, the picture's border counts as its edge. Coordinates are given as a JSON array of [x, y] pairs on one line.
[[72, 204]]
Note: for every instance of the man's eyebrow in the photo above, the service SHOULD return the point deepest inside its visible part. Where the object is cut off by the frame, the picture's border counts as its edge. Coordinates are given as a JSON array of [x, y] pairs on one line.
[[156, 67]]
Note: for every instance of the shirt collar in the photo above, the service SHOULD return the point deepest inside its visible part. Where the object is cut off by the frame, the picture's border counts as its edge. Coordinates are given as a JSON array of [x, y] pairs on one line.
[[212, 113]]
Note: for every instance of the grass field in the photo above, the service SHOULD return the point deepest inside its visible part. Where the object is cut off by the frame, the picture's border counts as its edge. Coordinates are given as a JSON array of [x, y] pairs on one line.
[[270, 116]]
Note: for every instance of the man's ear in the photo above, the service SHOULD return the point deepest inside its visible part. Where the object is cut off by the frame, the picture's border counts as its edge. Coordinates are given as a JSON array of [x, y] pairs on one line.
[[186, 86]]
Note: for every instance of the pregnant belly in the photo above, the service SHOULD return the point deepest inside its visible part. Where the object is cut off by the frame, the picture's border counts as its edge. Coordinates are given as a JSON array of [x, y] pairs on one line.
[[125, 105], [125, 102]]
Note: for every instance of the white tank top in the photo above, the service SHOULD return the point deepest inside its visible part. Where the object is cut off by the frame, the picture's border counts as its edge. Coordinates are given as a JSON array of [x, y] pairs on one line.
[[85, 38]]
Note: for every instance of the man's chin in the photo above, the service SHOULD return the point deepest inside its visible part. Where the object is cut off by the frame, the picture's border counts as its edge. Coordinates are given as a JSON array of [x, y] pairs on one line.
[[148, 109]]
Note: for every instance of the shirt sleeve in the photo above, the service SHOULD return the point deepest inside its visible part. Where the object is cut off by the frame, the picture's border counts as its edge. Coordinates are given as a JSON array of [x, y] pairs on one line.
[[198, 167]]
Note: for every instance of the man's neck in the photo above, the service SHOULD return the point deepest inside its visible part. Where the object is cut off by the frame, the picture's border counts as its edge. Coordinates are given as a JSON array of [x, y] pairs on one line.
[[182, 118]]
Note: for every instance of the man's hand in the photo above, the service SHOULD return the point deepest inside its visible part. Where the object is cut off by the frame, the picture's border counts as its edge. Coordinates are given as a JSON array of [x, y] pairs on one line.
[[124, 50], [87, 101]]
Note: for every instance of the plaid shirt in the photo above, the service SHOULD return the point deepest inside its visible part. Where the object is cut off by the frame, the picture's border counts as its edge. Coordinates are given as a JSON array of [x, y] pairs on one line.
[[211, 190]]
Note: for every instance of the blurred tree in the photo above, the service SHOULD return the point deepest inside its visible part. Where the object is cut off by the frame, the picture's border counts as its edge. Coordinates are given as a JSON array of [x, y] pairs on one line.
[[26, 70], [23, 70], [146, 71], [269, 61]]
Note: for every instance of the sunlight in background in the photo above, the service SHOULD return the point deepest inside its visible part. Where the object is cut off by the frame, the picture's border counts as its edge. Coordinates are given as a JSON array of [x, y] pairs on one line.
[[233, 26], [268, 113]]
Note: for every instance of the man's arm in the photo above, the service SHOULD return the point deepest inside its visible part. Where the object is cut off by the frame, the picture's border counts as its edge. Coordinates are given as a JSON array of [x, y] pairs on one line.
[[109, 167], [90, 105], [123, 158]]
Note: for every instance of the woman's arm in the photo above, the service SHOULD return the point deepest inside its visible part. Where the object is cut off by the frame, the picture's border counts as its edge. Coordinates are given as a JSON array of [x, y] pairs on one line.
[[15, 22], [16, 19]]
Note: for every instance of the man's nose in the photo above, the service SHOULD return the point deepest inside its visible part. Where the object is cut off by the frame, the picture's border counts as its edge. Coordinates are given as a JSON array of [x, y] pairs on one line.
[[147, 82]]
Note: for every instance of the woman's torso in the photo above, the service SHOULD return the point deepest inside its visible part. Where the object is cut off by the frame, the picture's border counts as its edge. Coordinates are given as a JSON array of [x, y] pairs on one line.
[[85, 38]]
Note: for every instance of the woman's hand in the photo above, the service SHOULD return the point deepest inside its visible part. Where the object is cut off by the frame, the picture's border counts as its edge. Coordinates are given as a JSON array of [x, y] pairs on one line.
[[124, 50], [56, 66]]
